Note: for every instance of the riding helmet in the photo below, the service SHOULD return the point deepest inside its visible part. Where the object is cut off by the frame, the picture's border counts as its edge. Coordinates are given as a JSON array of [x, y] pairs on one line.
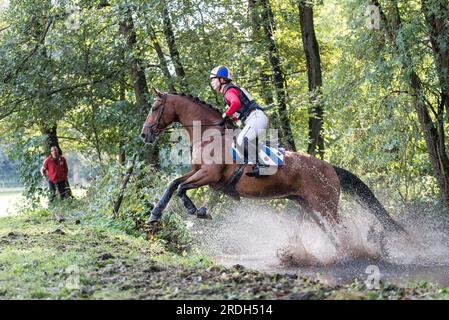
[[221, 72]]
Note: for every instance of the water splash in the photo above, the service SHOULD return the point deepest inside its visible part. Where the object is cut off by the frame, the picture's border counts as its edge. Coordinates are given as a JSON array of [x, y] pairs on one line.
[[259, 237]]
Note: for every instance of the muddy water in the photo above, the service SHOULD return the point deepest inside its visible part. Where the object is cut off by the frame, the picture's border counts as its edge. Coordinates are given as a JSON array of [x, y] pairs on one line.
[[349, 271], [260, 238]]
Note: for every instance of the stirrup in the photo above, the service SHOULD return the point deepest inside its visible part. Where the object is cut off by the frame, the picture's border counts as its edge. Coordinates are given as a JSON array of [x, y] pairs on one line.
[[254, 172]]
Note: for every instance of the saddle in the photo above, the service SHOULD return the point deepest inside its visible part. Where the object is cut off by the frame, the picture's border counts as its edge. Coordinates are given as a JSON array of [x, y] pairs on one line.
[[270, 158]]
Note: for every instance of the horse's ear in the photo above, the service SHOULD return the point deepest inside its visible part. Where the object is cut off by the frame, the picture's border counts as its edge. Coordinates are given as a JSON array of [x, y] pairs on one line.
[[157, 92]]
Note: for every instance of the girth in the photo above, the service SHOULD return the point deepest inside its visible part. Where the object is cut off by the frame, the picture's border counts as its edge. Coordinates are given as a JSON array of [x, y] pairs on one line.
[[229, 186]]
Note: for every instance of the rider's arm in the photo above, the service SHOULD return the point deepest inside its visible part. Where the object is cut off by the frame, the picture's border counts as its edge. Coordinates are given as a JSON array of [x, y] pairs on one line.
[[233, 98]]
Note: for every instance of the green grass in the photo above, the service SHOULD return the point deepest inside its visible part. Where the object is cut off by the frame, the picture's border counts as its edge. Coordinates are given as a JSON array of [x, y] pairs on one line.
[[38, 253]]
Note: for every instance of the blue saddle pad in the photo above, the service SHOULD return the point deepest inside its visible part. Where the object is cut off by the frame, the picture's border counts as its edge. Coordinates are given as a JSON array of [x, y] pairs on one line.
[[270, 156]]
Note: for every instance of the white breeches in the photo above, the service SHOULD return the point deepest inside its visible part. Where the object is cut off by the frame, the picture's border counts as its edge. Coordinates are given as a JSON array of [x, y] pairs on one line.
[[255, 122]]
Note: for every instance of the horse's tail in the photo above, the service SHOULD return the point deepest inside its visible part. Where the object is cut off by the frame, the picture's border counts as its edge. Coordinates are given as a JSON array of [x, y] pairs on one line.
[[351, 184]]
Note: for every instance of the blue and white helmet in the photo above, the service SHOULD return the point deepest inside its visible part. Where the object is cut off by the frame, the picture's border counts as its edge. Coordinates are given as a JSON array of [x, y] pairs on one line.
[[221, 72]]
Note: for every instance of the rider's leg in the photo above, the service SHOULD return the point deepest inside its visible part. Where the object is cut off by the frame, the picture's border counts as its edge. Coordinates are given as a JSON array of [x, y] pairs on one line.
[[255, 124]]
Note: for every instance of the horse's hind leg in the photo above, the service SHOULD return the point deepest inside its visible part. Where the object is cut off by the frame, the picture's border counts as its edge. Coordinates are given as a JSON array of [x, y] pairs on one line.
[[319, 221], [191, 208], [316, 218]]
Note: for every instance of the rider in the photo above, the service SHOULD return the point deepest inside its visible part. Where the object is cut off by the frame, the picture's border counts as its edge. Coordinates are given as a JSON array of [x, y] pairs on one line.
[[240, 106]]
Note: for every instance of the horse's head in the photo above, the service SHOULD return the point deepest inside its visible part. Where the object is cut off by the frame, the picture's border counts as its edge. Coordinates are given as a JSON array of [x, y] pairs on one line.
[[161, 115]]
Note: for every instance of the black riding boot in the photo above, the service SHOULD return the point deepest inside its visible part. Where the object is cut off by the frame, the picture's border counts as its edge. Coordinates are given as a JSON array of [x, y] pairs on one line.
[[254, 172]]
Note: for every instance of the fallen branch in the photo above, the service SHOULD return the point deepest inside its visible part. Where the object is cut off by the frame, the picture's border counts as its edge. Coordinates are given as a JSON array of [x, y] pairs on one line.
[[118, 203]]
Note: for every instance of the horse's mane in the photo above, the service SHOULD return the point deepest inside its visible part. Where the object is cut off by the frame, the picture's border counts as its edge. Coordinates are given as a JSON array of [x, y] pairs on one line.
[[198, 101]]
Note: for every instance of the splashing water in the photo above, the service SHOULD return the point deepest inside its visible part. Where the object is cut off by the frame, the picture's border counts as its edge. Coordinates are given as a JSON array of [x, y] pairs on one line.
[[259, 237]]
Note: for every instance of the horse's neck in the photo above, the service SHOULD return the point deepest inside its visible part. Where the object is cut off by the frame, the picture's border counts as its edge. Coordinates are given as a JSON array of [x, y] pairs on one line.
[[191, 111]]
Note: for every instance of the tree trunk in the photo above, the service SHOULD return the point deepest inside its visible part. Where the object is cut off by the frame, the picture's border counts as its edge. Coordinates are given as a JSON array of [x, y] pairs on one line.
[[434, 136], [433, 131], [162, 61], [118, 202], [264, 76], [137, 70], [436, 13], [172, 47], [312, 52], [51, 138], [140, 82], [278, 76], [121, 155]]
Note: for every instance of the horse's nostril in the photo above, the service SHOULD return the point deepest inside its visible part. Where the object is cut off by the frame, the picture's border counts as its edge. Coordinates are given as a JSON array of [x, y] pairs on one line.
[[143, 135]]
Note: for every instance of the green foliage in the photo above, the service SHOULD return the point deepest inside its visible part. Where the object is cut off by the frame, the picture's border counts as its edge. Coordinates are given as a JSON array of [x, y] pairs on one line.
[[29, 161], [80, 79], [144, 189]]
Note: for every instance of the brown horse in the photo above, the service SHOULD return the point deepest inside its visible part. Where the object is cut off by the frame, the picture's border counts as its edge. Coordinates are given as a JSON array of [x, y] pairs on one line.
[[313, 183]]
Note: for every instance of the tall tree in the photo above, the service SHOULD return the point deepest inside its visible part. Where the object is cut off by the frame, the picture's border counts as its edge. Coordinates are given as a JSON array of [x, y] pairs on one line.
[[172, 46], [436, 13], [121, 155], [314, 77], [136, 66], [433, 130], [138, 75], [278, 76], [256, 37], [162, 60]]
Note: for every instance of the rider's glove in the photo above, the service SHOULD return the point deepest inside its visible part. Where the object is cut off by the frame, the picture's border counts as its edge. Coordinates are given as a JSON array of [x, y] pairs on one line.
[[223, 121]]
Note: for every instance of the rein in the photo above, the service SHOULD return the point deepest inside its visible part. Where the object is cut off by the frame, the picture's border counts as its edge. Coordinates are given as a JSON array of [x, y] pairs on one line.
[[156, 124]]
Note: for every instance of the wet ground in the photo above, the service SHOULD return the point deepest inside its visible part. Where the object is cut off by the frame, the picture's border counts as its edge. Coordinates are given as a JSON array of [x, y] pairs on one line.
[[77, 258], [349, 271], [68, 254]]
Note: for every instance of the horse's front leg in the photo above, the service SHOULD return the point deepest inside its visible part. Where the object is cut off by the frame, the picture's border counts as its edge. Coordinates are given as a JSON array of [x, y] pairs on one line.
[[191, 207], [199, 179], [156, 213], [188, 203]]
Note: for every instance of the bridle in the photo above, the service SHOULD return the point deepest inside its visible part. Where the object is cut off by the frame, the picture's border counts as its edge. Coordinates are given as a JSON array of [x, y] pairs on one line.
[[156, 124]]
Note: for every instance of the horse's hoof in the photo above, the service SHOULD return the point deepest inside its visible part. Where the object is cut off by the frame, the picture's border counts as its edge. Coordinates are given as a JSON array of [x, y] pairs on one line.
[[202, 214], [153, 219], [156, 215], [192, 211]]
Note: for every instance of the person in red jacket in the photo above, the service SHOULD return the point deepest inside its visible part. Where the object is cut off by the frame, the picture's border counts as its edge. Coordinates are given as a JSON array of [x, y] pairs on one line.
[[56, 170]]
